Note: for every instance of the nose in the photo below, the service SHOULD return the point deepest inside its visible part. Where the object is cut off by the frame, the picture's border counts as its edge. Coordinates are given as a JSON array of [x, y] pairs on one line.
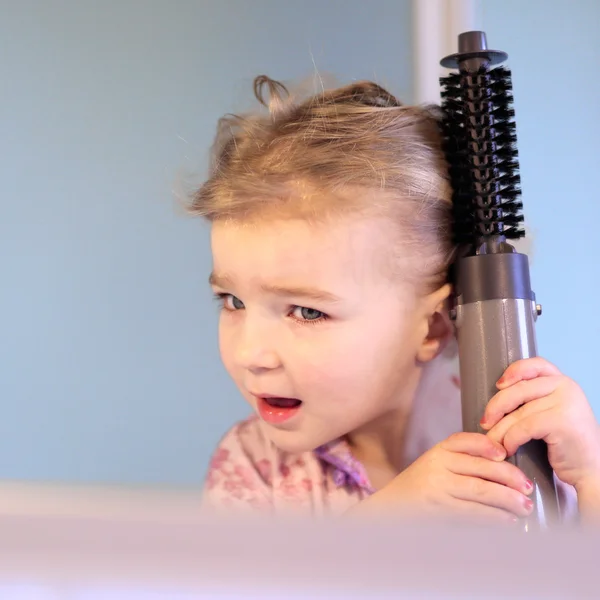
[[256, 349]]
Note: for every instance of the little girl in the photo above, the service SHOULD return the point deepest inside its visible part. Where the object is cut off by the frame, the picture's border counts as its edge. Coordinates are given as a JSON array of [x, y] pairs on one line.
[[331, 241]]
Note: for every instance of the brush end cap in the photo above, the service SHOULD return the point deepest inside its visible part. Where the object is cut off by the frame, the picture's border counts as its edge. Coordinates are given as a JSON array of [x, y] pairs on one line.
[[473, 44]]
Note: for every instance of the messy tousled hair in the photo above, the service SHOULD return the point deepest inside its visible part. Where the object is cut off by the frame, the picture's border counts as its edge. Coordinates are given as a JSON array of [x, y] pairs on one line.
[[354, 149]]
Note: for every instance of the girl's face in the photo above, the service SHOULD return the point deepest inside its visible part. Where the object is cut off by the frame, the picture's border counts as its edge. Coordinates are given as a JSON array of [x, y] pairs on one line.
[[320, 340]]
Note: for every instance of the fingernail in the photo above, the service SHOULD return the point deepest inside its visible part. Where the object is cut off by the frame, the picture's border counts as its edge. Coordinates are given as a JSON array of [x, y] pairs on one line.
[[528, 485], [528, 504], [501, 381]]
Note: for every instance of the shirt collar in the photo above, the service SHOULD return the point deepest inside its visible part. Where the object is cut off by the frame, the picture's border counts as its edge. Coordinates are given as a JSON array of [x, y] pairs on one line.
[[347, 470]]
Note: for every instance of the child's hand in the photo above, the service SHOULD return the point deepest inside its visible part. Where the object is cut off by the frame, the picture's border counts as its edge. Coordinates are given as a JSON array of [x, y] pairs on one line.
[[536, 402], [463, 475]]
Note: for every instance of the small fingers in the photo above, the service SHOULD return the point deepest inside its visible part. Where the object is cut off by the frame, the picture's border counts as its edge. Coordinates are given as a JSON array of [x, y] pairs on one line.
[[499, 430], [522, 426], [503, 472], [491, 494], [537, 426], [510, 398], [527, 368], [479, 513], [474, 444]]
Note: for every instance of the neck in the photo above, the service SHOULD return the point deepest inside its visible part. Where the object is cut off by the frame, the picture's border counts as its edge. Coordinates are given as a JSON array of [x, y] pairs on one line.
[[381, 444]]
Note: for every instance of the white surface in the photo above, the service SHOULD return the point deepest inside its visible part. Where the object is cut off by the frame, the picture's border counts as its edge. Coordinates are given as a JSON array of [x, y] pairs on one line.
[[428, 48], [70, 558], [436, 25], [97, 502], [61, 543]]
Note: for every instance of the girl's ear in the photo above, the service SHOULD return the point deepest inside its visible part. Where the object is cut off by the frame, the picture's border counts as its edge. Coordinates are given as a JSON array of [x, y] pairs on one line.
[[439, 326]]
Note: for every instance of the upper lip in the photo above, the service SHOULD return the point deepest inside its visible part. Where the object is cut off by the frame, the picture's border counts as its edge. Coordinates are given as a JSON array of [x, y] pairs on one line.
[[271, 396]]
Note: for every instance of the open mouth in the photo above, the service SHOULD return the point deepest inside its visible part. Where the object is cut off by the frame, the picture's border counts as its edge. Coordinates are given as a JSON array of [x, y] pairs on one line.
[[282, 402], [275, 410]]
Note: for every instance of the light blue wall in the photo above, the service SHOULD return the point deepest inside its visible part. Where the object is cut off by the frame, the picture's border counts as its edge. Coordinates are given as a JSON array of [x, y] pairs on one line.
[[109, 369], [554, 52]]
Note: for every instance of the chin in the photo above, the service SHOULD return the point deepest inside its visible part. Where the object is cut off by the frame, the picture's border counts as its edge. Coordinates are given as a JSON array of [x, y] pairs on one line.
[[293, 441]]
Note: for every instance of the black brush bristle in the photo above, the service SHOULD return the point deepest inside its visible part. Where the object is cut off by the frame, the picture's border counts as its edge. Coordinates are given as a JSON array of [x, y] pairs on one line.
[[480, 146]]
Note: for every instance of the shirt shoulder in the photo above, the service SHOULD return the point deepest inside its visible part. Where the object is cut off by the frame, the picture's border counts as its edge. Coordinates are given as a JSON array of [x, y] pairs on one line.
[[239, 472], [244, 442], [248, 473]]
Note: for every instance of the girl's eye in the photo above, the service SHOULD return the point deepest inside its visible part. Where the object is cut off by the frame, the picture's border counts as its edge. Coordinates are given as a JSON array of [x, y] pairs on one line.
[[303, 313], [230, 302]]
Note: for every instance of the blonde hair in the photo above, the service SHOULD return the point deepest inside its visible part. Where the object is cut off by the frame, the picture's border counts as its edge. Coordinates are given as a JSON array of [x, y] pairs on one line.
[[354, 149]]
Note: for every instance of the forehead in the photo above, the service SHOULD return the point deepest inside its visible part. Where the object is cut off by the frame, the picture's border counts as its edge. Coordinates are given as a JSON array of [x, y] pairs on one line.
[[295, 248]]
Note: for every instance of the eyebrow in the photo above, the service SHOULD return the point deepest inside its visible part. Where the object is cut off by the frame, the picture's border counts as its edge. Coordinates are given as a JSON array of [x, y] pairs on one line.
[[311, 293]]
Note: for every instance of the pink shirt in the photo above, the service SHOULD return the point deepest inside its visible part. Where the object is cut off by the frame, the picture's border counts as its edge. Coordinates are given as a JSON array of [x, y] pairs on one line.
[[248, 473]]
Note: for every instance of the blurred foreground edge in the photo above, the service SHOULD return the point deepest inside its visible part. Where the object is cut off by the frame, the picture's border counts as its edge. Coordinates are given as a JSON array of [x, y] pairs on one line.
[[70, 543]]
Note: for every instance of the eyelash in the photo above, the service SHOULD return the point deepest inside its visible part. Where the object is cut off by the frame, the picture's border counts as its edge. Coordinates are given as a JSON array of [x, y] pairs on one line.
[[222, 297]]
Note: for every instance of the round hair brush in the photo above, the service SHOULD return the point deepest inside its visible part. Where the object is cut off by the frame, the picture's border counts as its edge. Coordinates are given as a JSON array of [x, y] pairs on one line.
[[494, 307]]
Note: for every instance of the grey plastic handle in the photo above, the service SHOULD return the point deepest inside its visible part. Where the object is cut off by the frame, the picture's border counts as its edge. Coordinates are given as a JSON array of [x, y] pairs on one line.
[[491, 335]]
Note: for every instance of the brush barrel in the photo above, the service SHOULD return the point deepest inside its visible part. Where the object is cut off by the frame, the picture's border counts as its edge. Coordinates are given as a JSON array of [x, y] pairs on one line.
[[495, 320]]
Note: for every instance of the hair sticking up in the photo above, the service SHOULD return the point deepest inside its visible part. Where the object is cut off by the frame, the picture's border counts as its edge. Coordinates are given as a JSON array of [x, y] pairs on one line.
[[354, 149]]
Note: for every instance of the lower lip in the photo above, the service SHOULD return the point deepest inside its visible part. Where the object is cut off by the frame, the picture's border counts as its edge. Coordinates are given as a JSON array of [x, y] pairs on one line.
[[275, 414]]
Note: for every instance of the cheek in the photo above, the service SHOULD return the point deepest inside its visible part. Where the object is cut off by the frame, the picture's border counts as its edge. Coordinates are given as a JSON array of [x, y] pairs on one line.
[[226, 343], [356, 356]]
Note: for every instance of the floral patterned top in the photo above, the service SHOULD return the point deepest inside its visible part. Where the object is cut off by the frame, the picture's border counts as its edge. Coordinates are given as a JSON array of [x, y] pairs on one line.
[[248, 473]]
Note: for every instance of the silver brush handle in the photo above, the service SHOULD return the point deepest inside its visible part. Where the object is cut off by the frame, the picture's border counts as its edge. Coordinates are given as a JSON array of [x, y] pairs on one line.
[[493, 333]]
